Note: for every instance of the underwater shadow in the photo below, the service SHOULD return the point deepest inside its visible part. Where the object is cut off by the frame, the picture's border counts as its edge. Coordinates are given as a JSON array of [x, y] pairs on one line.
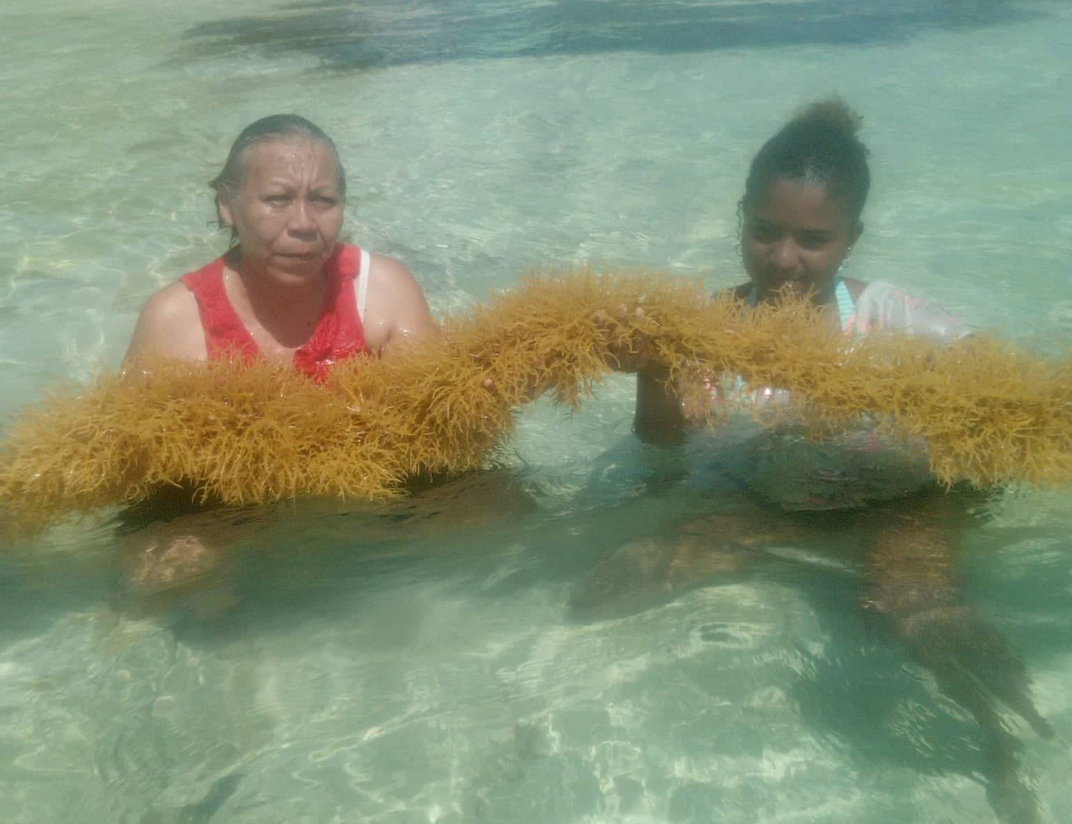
[[260, 569], [41, 582], [382, 33]]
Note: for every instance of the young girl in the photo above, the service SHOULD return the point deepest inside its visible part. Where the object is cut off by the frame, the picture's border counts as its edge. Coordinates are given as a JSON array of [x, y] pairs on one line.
[[800, 219]]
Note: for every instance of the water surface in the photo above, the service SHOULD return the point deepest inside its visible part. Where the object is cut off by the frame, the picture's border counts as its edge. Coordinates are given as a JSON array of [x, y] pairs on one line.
[[425, 664]]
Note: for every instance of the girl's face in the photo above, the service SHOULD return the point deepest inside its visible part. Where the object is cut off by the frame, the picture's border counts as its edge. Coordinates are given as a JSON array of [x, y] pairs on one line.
[[795, 239]]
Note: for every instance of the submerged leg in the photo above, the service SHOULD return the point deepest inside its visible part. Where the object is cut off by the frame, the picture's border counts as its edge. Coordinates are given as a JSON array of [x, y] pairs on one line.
[[911, 582], [652, 571], [647, 573]]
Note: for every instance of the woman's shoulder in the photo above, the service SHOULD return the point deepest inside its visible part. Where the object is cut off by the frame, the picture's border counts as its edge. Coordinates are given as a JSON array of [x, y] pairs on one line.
[[383, 272], [388, 270], [396, 305], [171, 305], [169, 325]]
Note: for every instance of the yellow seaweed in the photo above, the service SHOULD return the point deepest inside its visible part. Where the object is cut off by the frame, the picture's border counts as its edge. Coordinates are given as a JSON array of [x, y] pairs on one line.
[[989, 412]]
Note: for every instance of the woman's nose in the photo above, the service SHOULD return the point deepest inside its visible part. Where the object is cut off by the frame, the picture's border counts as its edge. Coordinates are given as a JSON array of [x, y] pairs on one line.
[[301, 217]]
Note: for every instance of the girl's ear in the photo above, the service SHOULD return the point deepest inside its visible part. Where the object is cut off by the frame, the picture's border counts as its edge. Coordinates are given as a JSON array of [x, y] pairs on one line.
[[859, 230]]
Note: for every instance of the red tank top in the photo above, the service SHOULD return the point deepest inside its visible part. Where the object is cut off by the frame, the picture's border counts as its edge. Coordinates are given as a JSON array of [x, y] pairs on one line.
[[338, 333]]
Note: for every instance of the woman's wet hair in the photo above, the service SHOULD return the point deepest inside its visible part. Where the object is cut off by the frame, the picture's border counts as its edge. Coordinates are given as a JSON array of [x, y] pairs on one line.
[[273, 127], [819, 145]]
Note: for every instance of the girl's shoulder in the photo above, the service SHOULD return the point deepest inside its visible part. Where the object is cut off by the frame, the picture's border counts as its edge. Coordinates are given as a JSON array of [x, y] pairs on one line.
[[856, 288], [882, 305]]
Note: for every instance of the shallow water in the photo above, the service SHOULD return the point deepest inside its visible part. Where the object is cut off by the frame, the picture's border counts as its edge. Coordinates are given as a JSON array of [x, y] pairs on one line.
[[428, 663]]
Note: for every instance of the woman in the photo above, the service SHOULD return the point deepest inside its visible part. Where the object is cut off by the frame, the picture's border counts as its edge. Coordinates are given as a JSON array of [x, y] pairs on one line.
[[287, 290], [800, 218]]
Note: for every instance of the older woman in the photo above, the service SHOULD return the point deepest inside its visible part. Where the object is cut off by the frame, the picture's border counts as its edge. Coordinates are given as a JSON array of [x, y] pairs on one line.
[[287, 290]]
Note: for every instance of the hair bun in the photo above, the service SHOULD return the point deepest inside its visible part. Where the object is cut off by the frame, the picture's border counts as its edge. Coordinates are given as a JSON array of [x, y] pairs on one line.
[[832, 111]]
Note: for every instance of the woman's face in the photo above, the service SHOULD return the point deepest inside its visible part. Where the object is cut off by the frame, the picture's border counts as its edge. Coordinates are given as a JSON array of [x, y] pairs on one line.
[[288, 211], [795, 239]]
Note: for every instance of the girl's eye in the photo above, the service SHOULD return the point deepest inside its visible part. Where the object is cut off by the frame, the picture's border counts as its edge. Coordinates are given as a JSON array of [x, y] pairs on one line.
[[763, 232], [813, 241]]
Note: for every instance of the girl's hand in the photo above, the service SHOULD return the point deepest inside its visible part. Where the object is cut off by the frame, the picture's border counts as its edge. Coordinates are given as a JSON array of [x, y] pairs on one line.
[[634, 354]]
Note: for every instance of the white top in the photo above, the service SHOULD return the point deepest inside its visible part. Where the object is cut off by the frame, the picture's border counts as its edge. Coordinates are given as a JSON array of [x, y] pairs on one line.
[[362, 284]]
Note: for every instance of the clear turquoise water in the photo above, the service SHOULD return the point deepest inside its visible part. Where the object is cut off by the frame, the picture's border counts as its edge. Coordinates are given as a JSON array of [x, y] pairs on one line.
[[424, 665]]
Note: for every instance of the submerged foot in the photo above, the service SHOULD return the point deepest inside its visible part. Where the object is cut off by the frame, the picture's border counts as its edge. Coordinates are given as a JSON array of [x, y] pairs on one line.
[[974, 663], [1008, 790], [977, 668]]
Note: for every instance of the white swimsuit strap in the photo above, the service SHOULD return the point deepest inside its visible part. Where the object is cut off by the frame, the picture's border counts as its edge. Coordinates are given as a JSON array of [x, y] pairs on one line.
[[362, 284]]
